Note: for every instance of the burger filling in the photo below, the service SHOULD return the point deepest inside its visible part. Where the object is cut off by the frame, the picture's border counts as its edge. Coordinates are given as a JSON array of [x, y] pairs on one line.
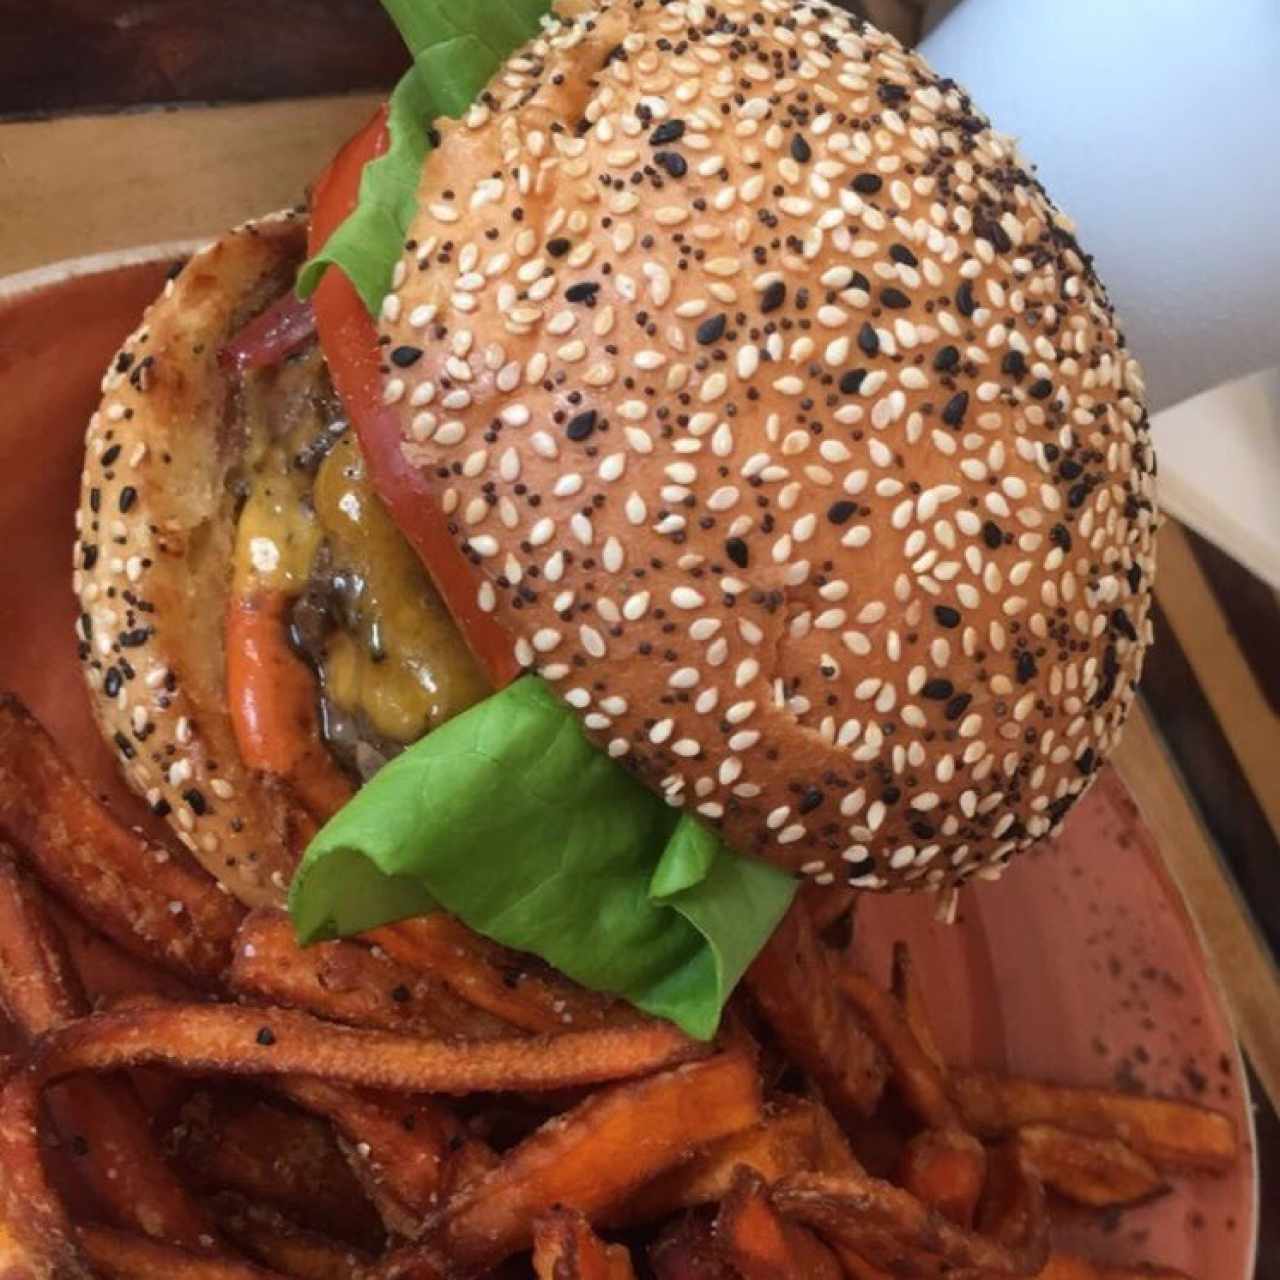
[[389, 662]]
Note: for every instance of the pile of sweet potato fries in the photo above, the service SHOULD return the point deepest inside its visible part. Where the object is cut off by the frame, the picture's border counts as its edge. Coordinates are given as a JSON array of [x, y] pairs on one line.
[[187, 1095]]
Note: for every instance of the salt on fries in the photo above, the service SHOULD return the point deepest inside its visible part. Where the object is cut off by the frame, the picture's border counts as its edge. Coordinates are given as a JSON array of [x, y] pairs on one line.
[[423, 1104]]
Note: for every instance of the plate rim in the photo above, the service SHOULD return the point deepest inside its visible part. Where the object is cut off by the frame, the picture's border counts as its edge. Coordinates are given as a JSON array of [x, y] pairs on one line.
[[18, 285]]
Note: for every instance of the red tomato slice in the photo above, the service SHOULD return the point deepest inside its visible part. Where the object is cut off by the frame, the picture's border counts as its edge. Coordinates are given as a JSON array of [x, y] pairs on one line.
[[350, 344]]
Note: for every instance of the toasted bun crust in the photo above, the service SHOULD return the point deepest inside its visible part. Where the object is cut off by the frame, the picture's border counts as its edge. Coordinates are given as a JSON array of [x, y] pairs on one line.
[[788, 429], [155, 531]]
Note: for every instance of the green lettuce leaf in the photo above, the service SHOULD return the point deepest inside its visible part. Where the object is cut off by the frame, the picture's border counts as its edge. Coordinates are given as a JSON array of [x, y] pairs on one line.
[[456, 49], [510, 819]]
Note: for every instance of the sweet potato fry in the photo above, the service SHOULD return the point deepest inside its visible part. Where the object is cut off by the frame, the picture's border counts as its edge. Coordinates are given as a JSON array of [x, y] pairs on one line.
[[593, 1156], [348, 982], [761, 1245], [795, 1134], [106, 970], [409, 1154], [273, 1155], [521, 991], [687, 1250], [565, 1248], [1012, 1210], [1099, 1172], [15, 1259], [118, 1255], [122, 1165], [921, 1085], [1172, 1135], [792, 982], [205, 1038], [39, 988], [1063, 1267], [858, 1268], [891, 1228], [158, 906], [244, 1041], [945, 1169], [905, 984], [272, 1240]]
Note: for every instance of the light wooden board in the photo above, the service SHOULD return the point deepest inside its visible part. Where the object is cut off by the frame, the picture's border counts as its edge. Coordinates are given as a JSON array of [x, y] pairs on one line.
[[83, 184], [1244, 970]]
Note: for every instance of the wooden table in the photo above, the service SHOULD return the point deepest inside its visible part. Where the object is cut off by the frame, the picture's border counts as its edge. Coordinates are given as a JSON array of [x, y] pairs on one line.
[[1201, 754]]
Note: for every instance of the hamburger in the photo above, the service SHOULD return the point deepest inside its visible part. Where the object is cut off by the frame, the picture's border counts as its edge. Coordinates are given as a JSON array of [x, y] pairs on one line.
[[734, 378]]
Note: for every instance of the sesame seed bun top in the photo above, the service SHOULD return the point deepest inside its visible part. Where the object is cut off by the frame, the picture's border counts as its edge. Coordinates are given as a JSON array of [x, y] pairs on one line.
[[788, 429]]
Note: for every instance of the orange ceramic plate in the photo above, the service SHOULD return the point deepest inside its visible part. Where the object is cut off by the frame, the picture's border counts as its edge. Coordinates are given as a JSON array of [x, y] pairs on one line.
[[1081, 965]]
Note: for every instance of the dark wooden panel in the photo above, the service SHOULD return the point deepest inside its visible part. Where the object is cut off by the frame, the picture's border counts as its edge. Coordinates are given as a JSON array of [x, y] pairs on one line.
[[1252, 609], [1214, 778], [70, 55], [78, 55]]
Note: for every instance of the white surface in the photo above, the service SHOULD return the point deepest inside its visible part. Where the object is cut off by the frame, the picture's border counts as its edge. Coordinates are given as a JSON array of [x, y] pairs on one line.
[[1156, 125], [1219, 459]]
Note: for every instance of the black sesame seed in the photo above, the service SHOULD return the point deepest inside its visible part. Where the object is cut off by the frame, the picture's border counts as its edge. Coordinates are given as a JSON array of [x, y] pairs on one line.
[[774, 295], [992, 535], [134, 639], [195, 798], [123, 745], [111, 455], [558, 247], [1120, 621], [1060, 536], [673, 162], [667, 131], [946, 615], [1026, 667], [868, 184], [947, 359], [840, 512], [1077, 494], [900, 253], [958, 705], [851, 382], [111, 682], [954, 410], [868, 340], [801, 152], [965, 304], [938, 689], [400, 994], [123, 361], [712, 329], [1084, 761], [811, 799], [128, 496], [403, 357], [1041, 389], [1014, 364], [581, 425], [89, 556], [583, 291], [266, 1037], [737, 551], [895, 299]]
